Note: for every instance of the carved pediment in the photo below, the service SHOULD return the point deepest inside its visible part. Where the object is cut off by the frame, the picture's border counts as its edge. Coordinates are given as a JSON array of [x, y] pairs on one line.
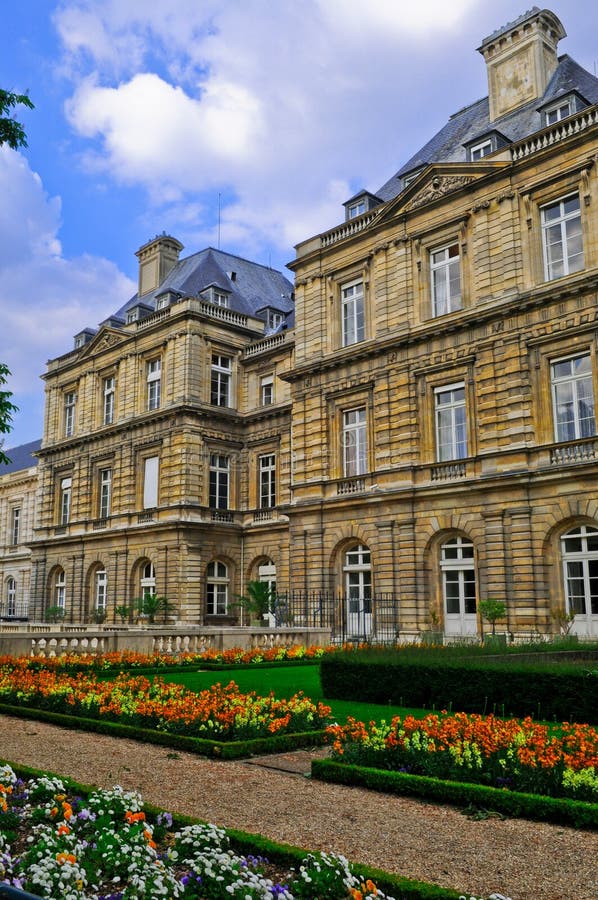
[[438, 186], [103, 340]]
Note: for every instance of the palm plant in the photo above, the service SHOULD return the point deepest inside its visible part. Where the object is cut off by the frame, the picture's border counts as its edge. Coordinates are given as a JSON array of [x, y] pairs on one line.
[[151, 605]]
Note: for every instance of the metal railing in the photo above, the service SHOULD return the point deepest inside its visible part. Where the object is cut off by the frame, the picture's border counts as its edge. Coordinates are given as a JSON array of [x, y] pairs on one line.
[[369, 619]]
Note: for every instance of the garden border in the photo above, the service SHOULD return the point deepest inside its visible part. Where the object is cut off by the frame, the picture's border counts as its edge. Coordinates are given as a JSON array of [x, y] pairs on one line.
[[575, 813]]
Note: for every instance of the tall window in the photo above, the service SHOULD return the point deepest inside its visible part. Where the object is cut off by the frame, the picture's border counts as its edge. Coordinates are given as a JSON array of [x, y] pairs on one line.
[[458, 586], [105, 492], [267, 467], [219, 481], [66, 487], [354, 442], [15, 526], [445, 271], [109, 396], [451, 425], [101, 586], [151, 467], [220, 384], [562, 238], [11, 597], [573, 398], [70, 401], [267, 390], [357, 572], [154, 379], [148, 580], [60, 589], [353, 313], [580, 561], [217, 589]]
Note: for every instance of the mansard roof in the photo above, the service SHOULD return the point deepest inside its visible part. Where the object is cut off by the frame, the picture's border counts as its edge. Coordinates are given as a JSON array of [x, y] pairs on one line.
[[21, 457], [474, 122], [249, 285]]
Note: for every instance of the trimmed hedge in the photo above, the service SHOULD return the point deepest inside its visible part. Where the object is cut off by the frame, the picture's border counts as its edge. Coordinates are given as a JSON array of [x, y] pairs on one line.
[[575, 813], [284, 854], [278, 743], [548, 691]]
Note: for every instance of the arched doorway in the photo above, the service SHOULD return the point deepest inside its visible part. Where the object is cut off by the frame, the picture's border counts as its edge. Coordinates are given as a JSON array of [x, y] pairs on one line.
[[357, 580], [457, 568], [580, 571]]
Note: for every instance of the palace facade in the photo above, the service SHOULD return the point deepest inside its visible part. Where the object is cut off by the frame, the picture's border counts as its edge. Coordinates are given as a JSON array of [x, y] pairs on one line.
[[414, 429]]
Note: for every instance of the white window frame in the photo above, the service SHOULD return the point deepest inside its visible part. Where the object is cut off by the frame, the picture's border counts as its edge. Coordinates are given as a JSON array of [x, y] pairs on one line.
[[109, 393], [267, 480], [267, 390], [357, 209], [11, 597], [60, 589], [572, 384], [558, 111], [221, 380], [457, 446], [151, 481], [586, 562], [354, 440], [147, 581], [15, 526], [560, 227], [66, 489], [219, 298], [443, 262], [217, 586], [478, 151], [70, 403], [457, 569], [105, 493], [352, 312], [101, 590], [154, 383], [219, 481]]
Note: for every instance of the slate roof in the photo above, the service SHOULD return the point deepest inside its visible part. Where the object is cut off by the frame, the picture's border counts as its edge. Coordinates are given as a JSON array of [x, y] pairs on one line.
[[21, 457], [474, 122], [254, 286]]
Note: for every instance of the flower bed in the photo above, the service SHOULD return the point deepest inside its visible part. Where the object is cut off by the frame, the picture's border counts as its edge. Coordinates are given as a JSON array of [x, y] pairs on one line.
[[219, 713], [519, 755], [103, 847], [122, 660]]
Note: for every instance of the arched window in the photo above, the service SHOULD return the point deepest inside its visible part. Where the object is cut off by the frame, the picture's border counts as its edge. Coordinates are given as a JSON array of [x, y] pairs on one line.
[[580, 569], [11, 597], [458, 586], [148, 580], [357, 577], [217, 589], [101, 588]]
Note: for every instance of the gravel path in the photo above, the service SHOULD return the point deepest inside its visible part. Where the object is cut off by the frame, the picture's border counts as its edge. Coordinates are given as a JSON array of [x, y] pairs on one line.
[[524, 860]]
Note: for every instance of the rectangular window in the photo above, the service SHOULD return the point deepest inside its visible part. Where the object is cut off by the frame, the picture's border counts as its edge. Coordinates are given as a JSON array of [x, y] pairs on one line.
[[219, 298], [66, 486], [151, 467], [267, 390], [480, 150], [445, 271], [353, 313], [60, 590], [354, 443], [573, 398], [451, 424], [15, 526], [220, 385], [267, 471], [219, 481], [557, 113], [357, 209], [109, 396], [105, 492], [101, 586], [562, 238], [154, 377], [70, 400]]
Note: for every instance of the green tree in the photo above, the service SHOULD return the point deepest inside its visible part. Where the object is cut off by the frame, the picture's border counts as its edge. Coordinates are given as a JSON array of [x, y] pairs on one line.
[[7, 408], [492, 611], [11, 131]]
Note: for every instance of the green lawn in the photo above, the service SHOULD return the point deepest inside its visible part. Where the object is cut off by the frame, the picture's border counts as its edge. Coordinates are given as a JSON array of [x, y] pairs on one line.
[[284, 681]]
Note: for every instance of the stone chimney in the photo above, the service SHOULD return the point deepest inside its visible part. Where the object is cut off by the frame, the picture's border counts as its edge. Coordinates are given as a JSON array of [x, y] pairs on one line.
[[520, 59], [156, 259]]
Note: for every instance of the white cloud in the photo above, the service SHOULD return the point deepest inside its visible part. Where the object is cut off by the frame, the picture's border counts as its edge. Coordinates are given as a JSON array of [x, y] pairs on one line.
[[44, 298]]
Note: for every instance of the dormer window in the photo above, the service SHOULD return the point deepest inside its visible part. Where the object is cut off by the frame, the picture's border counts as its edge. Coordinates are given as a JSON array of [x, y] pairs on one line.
[[480, 150], [554, 114], [356, 209], [162, 302], [557, 110], [133, 315], [275, 319]]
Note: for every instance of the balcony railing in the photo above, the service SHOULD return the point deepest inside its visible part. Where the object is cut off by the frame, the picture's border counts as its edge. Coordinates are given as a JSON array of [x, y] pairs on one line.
[[263, 515], [270, 343], [100, 524], [221, 515], [448, 471], [351, 486], [580, 451], [556, 133]]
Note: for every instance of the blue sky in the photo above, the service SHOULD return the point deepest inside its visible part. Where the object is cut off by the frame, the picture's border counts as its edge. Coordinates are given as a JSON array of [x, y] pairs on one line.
[[150, 115]]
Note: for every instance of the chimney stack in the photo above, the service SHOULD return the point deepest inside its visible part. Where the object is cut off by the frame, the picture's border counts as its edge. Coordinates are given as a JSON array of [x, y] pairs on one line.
[[156, 259], [520, 59]]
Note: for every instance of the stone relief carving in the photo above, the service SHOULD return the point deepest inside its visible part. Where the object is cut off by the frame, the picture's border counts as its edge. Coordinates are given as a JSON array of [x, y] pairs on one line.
[[439, 187]]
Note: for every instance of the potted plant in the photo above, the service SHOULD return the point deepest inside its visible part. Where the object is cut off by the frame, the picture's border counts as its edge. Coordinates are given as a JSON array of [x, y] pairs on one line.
[[434, 635], [54, 614], [151, 605], [123, 612], [258, 602], [492, 611]]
